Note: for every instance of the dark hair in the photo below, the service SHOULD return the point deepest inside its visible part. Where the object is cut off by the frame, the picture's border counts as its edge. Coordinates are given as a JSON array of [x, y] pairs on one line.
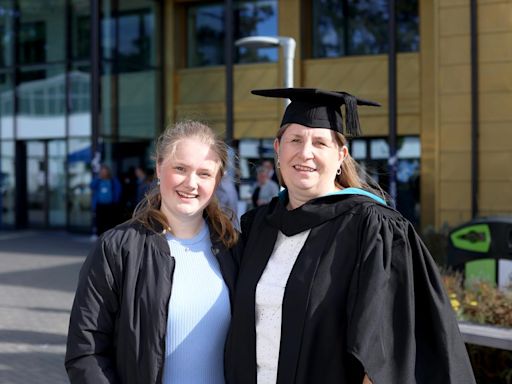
[[148, 210]]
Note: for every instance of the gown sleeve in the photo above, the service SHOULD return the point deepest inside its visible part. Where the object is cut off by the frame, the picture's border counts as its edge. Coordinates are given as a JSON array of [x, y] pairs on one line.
[[90, 356], [401, 326]]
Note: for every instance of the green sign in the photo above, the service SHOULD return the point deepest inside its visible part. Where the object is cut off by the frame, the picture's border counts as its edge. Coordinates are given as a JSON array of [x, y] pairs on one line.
[[481, 269], [475, 238]]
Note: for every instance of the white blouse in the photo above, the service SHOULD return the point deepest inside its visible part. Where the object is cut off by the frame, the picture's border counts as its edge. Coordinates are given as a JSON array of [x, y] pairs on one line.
[[269, 302]]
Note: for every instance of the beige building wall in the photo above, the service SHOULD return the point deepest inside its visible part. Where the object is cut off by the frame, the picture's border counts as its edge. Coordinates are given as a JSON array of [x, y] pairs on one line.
[[434, 97], [451, 149]]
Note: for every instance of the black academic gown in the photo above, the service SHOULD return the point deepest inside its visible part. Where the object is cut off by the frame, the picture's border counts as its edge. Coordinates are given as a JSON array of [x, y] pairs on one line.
[[363, 296]]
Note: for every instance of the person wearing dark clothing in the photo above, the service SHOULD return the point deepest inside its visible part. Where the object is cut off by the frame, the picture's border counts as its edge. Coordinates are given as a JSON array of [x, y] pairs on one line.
[[106, 196], [334, 285], [139, 314], [143, 184]]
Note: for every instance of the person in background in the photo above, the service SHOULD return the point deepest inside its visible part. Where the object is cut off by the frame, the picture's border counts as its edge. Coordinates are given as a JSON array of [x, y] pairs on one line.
[[153, 301], [106, 196], [265, 189], [228, 198], [335, 286], [143, 183], [269, 166]]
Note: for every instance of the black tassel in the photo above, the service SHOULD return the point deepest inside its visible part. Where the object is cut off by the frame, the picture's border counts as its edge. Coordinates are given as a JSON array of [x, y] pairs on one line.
[[352, 126]]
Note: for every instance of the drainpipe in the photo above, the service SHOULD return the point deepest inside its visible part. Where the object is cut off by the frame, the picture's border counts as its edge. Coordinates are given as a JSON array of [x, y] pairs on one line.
[[228, 59], [475, 104]]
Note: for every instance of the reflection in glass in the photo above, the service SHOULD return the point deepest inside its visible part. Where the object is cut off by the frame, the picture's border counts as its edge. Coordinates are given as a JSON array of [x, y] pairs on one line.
[[108, 88], [6, 106], [42, 31], [42, 100], [7, 184], [7, 17], [79, 174], [79, 122], [138, 105], [56, 180], [129, 37], [256, 18], [206, 31], [343, 27], [80, 29], [136, 46], [36, 183]]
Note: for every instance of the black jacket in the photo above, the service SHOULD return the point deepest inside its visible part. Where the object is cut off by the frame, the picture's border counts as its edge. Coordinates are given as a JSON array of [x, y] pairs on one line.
[[119, 316]]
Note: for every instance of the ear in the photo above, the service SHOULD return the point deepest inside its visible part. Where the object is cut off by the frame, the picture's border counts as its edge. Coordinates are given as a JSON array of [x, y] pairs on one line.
[[158, 170], [276, 146], [343, 152]]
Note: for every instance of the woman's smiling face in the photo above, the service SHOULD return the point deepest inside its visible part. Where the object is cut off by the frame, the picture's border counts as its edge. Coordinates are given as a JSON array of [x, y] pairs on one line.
[[188, 179], [309, 159]]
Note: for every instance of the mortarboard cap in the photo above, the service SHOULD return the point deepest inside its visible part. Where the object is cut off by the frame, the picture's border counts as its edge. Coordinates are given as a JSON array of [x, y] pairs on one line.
[[316, 108]]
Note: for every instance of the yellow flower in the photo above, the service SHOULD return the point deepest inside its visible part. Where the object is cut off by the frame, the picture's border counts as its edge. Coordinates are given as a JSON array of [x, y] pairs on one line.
[[455, 304], [453, 296], [473, 303]]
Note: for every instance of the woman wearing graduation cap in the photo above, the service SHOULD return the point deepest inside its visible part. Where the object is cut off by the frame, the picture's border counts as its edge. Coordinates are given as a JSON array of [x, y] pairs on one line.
[[334, 285]]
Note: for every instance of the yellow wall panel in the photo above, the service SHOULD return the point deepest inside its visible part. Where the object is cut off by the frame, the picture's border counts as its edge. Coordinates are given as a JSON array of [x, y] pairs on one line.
[[446, 4], [455, 166], [455, 78], [455, 137], [447, 24], [495, 136], [496, 106], [495, 17], [455, 195], [365, 77], [253, 76], [199, 85], [495, 76], [453, 218], [496, 166], [454, 50], [495, 195], [495, 47], [455, 108]]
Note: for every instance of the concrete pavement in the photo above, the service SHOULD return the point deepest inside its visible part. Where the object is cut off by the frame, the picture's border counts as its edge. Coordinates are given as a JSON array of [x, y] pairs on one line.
[[38, 275]]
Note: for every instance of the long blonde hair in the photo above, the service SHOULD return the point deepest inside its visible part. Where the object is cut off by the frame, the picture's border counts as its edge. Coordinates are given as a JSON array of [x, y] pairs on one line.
[[352, 174], [148, 210]]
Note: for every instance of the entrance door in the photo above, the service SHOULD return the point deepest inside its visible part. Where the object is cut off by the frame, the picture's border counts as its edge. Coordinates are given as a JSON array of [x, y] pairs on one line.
[[46, 183]]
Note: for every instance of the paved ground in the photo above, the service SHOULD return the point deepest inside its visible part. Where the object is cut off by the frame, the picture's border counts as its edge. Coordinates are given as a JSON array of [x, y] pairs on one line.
[[38, 273]]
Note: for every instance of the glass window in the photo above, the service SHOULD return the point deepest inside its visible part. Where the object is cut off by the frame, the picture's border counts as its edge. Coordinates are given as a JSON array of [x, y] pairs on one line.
[[206, 31], [344, 27], [79, 97], [80, 30], [6, 32], [79, 174], [42, 100], [358, 149], [56, 180], [7, 184], [136, 40], [42, 31], [138, 105], [129, 38], [6, 105]]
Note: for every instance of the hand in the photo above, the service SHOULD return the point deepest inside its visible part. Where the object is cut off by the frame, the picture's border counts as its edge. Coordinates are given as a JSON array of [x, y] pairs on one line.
[[366, 380]]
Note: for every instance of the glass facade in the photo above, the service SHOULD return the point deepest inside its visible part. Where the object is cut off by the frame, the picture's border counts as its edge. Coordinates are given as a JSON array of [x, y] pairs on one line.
[[373, 155], [345, 27], [46, 121], [205, 31]]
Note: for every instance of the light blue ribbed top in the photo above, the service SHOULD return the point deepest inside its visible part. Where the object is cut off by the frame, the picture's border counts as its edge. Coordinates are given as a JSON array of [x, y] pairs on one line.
[[199, 314]]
